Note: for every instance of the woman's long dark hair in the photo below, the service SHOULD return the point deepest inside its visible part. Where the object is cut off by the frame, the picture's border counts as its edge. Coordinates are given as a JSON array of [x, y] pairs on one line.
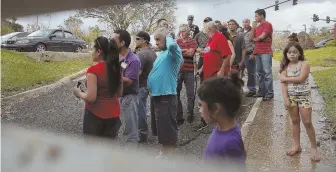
[[111, 57], [285, 60], [225, 32]]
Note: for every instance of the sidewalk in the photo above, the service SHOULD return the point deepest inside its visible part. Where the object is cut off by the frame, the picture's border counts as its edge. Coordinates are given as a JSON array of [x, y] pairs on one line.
[[270, 137]]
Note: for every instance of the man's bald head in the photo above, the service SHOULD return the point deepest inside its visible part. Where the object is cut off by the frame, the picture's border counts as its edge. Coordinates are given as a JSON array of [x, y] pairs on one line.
[[246, 24], [162, 31], [224, 24], [211, 28], [160, 37], [211, 25]]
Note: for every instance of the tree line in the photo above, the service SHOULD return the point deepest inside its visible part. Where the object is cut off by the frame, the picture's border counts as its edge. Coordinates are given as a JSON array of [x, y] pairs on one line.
[[134, 17]]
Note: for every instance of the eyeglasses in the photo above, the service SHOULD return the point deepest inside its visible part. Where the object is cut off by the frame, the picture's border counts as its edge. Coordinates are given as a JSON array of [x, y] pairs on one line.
[[206, 21]]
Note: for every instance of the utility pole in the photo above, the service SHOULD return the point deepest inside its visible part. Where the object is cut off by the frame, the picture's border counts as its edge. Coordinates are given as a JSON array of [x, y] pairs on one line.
[[305, 36]]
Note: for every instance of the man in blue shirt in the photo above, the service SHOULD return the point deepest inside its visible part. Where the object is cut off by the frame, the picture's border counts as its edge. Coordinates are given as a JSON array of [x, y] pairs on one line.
[[162, 83]]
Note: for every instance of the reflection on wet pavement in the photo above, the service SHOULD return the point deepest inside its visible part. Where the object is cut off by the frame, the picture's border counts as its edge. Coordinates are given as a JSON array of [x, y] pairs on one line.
[[270, 137]]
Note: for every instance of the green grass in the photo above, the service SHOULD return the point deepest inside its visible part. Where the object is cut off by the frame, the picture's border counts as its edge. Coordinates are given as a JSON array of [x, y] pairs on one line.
[[19, 73], [325, 79], [325, 57]]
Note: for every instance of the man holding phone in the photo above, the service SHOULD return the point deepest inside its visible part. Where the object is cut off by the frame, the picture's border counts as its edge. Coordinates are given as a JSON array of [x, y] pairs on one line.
[[262, 36]]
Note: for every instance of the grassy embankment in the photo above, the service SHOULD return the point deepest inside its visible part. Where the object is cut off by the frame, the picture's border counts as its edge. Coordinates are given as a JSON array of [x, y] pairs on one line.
[[20, 73]]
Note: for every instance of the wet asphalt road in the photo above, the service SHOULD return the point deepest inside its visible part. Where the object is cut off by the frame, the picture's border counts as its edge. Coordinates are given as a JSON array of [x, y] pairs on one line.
[[59, 111]]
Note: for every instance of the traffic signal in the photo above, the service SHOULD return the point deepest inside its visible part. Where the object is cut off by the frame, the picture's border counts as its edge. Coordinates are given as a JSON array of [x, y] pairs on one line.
[[295, 2], [315, 18], [276, 5], [328, 19]]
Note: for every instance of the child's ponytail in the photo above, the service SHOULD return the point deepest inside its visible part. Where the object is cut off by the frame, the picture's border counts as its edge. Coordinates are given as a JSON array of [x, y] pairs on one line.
[[234, 77]]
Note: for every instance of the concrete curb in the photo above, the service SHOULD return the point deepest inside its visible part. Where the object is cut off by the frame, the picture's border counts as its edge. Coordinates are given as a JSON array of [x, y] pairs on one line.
[[250, 118], [44, 89]]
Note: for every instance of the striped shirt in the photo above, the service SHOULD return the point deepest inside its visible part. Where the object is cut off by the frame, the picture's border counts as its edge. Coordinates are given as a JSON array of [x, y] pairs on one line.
[[264, 46], [188, 64]]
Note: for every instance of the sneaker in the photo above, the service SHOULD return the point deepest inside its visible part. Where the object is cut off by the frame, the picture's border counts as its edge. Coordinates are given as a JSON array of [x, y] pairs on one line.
[[258, 95], [190, 118], [267, 98], [200, 126], [142, 139], [250, 94], [180, 122]]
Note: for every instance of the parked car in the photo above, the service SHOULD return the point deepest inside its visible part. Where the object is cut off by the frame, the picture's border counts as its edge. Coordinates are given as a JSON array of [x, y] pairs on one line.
[[12, 37], [322, 43], [48, 40]]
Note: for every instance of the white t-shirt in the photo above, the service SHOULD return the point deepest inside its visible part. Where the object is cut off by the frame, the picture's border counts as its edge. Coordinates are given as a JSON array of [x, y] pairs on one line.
[[152, 40]]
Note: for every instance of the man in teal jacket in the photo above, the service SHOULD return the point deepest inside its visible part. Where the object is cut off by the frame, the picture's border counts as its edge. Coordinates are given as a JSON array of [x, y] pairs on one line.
[[162, 83]]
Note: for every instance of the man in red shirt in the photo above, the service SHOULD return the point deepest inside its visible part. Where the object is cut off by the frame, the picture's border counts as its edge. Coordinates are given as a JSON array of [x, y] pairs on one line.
[[262, 36], [216, 52], [216, 60]]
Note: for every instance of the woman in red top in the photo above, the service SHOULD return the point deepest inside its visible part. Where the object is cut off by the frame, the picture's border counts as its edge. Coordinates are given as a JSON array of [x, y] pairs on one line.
[[103, 81]]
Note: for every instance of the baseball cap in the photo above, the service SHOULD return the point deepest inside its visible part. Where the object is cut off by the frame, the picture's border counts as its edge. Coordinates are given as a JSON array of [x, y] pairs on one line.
[[207, 19], [144, 35]]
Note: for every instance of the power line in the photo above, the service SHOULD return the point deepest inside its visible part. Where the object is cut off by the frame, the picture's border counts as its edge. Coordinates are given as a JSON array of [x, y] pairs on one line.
[[226, 2]]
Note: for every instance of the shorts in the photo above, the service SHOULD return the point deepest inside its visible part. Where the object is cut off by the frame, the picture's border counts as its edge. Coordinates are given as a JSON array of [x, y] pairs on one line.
[[301, 101], [163, 119], [95, 126]]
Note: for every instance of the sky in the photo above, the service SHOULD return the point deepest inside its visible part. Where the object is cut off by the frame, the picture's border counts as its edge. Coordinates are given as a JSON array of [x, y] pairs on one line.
[[289, 17]]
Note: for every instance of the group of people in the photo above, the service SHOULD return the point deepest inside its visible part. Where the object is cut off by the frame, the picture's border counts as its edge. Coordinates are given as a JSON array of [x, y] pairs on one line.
[[121, 80]]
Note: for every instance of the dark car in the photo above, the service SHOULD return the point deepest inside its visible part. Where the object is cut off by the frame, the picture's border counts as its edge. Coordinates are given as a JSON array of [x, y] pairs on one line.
[[322, 43], [12, 37], [48, 40]]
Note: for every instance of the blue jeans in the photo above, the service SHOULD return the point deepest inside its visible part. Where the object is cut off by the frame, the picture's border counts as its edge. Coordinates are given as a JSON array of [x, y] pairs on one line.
[[142, 111], [189, 82], [251, 73], [264, 71], [129, 116]]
